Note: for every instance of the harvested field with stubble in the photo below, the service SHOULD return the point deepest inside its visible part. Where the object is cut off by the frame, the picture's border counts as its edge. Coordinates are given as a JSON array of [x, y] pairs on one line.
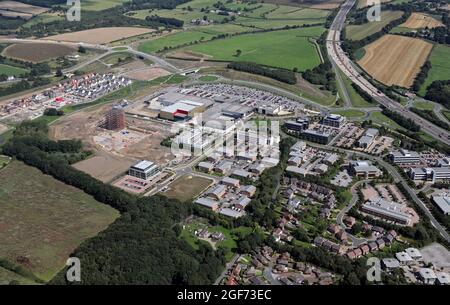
[[43, 220], [395, 60], [101, 35], [22, 7], [37, 52], [418, 21]]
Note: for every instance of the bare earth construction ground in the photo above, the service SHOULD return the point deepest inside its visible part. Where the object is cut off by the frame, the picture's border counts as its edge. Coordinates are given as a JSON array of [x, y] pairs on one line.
[[100, 35], [43, 220], [395, 60], [114, 151]]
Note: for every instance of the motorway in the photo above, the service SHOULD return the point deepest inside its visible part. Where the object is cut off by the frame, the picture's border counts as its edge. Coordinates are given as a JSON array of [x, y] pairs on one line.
[[338, 56]]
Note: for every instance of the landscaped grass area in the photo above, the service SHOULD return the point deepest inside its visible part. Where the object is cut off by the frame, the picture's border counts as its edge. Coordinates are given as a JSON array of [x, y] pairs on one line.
[[187, 187], [99, 5], [440, 66], [44, 220], [208, 78], [11, 71], [446, 113], [355, 98], [4, 160], [7, 276], [424, 105], [358, 32], [115, 58], [43, 18], [381, 119], [173, 40], [292, 46], [350, 113]]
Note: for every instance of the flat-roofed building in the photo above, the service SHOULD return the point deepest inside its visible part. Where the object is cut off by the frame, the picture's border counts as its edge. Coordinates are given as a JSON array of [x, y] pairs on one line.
[[143, 170], [390, 263], [403, 258], [334, 120], [442, 278], [231, 213], [267, 161], [364, 169], [316, 136], [404, 156], [414, 253], [297, 126], [427, 276], [444, 162], [388, 210], [430, 174], [443, 204], [368, 138]]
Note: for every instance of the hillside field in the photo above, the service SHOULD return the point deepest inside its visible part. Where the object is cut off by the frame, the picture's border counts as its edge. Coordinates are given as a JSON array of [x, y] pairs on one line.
[[395, 60], [267, 48], [358, 32], [37, 52], [418, 21], [440, 66], [11, 71], [43, 220]]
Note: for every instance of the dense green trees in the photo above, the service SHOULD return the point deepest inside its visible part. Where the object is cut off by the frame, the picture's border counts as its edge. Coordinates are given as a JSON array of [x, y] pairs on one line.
[[439, 91], [429, 115], [401, 120], [281, 75]]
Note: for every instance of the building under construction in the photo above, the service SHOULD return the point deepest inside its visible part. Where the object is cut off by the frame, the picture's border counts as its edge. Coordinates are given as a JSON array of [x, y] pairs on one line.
[[114, 119]]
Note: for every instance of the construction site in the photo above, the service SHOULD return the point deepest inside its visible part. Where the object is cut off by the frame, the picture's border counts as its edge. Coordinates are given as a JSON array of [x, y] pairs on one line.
[[117, 141]]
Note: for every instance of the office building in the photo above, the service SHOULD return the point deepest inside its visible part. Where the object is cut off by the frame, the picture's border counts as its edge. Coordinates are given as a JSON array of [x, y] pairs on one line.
[[143, 170], [387, 210], [333, 120], [404, 156]]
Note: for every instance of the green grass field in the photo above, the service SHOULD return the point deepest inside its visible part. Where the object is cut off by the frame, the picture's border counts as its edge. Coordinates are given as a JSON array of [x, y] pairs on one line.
[[355, 98], [290, 12], [381, 119], [350, 113], [173, 40], [208, 78], [42, 18], [423, 105], [12, 71], [114, 58], [44, 220], [440, 66], [358, 32], [99, 5], [7, 276], [267, 48], [446, 113]]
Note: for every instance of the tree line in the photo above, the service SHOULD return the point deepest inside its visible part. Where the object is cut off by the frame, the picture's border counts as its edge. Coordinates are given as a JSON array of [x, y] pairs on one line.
[[439, 92], [407, 123], [281, 75]]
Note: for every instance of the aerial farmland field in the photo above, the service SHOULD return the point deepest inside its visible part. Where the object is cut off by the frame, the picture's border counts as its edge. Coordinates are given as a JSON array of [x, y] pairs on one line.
[[266, 48], [101, 35], [37, 52], [44, 220], [11, 71], [358, 32], [418, 20], [440, 66], [395, 60]]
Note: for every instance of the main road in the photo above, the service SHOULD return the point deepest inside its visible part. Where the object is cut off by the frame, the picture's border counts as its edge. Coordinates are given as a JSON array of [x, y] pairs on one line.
[[339, 57]]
